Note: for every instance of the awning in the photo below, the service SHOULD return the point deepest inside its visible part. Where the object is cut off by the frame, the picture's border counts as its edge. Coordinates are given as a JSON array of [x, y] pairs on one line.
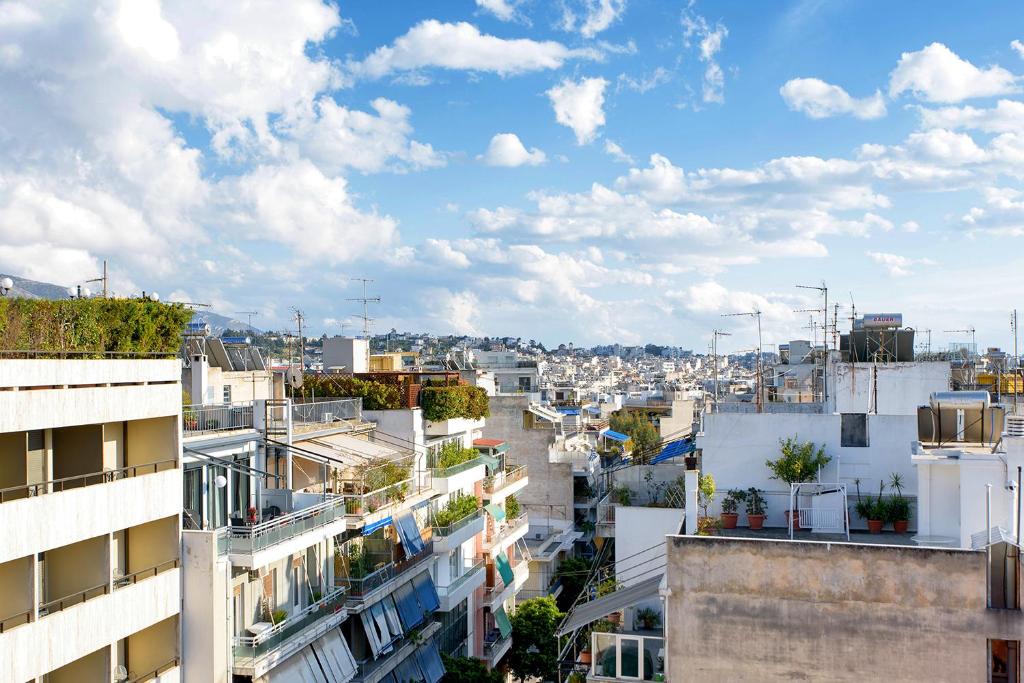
[[589, 612], [593, 410], [673, 449], [430, 662], [378, 632], [336, 659], [493, 463], [545, 412], [343, 444], [376, 526], [426, 593], [407, 670], [408, 606], [501, 620], [615, 436], [504, 568], [495, 511], [409, 533], [568, 411]]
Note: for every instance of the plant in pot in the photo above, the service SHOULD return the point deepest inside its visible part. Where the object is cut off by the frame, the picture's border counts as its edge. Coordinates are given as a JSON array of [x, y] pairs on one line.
[[871, 509], [730, 508], [755, 508], [898, 506], [798, 462], [621, 495], [705, 492], [648, 619]]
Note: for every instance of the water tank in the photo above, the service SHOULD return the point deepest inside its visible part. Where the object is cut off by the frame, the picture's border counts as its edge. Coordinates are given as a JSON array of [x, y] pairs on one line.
[[874, 321], [960, 399]]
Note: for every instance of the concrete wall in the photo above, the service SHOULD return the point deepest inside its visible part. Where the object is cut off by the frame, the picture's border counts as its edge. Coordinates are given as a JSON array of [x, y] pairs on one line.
[[151, 440], [206, 609], [549, 493], [900, 387], [755, 610], [152, 647], [13, 462], [92, 667], [736, 446]]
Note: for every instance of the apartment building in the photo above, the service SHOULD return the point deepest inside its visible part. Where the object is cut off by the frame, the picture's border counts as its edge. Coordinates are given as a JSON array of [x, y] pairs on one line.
[[90, 500]]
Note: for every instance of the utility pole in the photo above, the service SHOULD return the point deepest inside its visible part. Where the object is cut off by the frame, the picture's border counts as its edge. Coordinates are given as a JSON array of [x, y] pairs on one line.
[[250, 314], [102, 278], [1016, 369], [823, 288], [756, 313], [365, 300], [302, 343], [714, 355]]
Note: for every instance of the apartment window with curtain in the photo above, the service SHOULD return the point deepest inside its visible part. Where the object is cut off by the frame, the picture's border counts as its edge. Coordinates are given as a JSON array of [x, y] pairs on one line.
[[193, 518]]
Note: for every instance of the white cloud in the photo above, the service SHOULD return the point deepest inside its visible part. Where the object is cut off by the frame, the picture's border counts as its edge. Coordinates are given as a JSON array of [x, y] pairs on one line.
[[895, 265], [457, 312], [442, 252], [910, 226], [616, 152], [461, 46], [1006, 117], [502, 9], [579, 106], [937, 74], [506, 149], [590, 17], [709, 45], [1018, 46], [644, 83], [820, 100], [143, 28]]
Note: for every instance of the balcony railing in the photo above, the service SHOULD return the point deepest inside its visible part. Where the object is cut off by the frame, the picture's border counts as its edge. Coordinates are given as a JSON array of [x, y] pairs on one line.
[[135, 577], [10, 622], [210, 419], [327, 412], [500, 480], [78, 598], [155, 673], [512, 525], [361, 585], [492, 647], [82, 480], [470, 567], [450, 529], [251, 539], [248, 650], [444, 472]]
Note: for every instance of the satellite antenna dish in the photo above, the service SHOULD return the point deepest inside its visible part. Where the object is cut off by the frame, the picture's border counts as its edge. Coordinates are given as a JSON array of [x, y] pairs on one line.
[[294, 376], [120, 674]]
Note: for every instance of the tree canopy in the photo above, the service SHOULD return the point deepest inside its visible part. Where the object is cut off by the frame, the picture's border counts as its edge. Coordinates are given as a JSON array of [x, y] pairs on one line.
[[533, 625], [640, 431]]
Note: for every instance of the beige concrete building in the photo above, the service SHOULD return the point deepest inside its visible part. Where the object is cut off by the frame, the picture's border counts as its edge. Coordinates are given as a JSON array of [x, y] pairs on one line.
[[90, 504]]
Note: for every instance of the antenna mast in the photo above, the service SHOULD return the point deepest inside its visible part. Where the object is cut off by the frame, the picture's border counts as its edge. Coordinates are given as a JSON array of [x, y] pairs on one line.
[[365, 300], [823, 288], [250, 314], [756, 313]]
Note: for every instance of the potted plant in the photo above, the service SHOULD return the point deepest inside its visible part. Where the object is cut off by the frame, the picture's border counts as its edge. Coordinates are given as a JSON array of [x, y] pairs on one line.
[[648, 618], [799, 461], [730, 508], [755, 508], [705, 491], [579, 676], [898, 511], [621, 495], [872, 510]]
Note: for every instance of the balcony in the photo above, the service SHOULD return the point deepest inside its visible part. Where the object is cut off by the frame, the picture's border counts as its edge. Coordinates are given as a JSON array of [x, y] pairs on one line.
[[457, 477], [368, 568], [497, 595], [165, 673], [505, 483], [255, 655], [205, 420], [510, 532], [334, 414], [260, 544], [37, 516], [453, 426], [495, 649], [457, 533], [79, 624], [375, 670], [460, 587]]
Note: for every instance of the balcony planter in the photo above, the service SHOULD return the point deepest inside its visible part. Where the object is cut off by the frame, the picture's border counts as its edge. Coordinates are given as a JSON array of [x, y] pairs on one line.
[[756, 522], [796, 519], [730, 506], [729, 520], [755, 508], [875, 526]]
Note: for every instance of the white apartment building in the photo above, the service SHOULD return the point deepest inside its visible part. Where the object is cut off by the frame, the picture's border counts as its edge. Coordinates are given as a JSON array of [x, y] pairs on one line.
[[90, 501]]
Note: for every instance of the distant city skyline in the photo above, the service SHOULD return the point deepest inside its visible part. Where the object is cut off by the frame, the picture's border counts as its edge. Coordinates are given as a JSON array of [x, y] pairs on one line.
[[594, 170]]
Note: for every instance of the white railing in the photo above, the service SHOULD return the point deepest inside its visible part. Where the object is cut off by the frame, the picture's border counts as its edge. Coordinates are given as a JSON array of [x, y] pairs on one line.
[[328, 411], [250, 539], [208, 419]]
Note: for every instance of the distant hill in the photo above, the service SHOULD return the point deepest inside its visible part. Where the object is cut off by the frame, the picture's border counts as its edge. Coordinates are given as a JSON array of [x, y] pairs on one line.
[[33, 289]]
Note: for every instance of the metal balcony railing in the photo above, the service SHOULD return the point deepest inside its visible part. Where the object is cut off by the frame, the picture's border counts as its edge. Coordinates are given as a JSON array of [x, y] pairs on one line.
[[496, 482], [210, 419], [250, 539], [81, 480], [59, 604], [361, 582], [444, 531], [511, 526], [10, 622], [470, 567], [444, 472], [327, 411], [248, 650], [155, 673], [135, 577]]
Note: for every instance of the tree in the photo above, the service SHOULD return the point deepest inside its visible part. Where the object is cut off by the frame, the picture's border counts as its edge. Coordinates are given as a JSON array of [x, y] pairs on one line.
[[639, 430], [705, 491], [798, 462], [468, 670], [533, 626], [573, 573]]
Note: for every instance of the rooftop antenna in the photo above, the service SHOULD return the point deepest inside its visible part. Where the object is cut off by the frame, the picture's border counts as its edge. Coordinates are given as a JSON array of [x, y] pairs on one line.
[[102, 278], [970, 331], [823, 289], [756, 313], [249, 315], [365, 300], [714, 355], [299, 316]]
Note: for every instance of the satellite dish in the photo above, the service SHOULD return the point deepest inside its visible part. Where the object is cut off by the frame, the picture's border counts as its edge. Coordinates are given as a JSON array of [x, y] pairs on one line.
[[120, 673], [6, 283], [294, 376]]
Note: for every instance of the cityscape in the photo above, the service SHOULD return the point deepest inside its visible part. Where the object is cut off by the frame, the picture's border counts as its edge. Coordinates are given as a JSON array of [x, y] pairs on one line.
[[594, 341]]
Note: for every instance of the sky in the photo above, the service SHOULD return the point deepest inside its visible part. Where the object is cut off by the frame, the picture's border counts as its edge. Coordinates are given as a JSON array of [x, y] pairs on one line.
[[591, 171]]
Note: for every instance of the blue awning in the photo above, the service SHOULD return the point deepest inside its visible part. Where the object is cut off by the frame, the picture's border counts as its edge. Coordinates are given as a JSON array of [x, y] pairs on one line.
[[617, 436], [593, 410], [408, 606], [409, 533], [568, 411], [426, 593], [430, 662], [376, 526], [672, 450]]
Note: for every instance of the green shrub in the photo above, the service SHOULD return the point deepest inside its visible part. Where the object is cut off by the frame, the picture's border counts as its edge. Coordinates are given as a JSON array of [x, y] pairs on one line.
[[376, 395], [511, 507], [448, 402], [380, 474], [91, 325], [452, 454], [456, 509]]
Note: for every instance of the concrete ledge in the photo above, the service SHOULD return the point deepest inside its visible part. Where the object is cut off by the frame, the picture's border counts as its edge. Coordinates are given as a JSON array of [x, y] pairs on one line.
[[19, 372], [43, 408]]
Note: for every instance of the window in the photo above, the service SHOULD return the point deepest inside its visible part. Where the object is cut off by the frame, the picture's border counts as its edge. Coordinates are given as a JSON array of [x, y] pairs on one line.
[[854, 430], [227, 394], [525, 384], [296, 587], [1004, 661]]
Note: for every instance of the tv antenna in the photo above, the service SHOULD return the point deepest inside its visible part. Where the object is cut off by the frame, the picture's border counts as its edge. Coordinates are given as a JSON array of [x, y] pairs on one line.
[[365, 300], [756, 313], [102, 278], [299, 317], [715, 334], [249, 315], [970, 331], [823, 289]]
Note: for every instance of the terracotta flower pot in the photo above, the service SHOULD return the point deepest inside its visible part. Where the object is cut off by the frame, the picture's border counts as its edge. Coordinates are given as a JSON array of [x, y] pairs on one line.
[[900, 526], [729, 520], [586, 657], [875, 526], [796, 520], [756, 522]]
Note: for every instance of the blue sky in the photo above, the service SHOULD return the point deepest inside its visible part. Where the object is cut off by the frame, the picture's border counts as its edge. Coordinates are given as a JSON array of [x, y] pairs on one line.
[[584, 170]]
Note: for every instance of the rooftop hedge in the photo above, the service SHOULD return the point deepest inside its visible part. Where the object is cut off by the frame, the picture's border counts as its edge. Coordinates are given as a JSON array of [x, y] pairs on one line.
[[375, 395], [448, 402], [91, 326]]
